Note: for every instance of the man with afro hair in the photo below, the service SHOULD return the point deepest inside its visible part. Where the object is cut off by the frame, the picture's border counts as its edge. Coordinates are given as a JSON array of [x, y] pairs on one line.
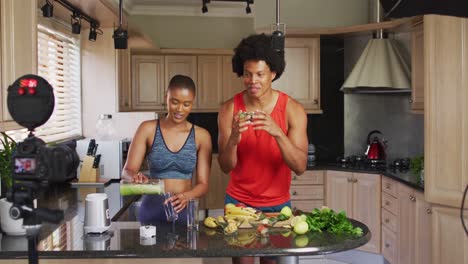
[[262, 131]]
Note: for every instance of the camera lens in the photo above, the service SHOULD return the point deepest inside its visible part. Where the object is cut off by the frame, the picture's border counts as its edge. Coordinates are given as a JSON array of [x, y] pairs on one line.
[[67, 162]]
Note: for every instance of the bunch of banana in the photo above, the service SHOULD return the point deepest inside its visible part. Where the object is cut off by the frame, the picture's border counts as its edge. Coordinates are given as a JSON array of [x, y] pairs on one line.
[[210, 222], [244, 238], [245, 213]]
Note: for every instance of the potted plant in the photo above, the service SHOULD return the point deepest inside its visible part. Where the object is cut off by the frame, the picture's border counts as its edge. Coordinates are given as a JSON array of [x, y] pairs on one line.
[[8, 146]]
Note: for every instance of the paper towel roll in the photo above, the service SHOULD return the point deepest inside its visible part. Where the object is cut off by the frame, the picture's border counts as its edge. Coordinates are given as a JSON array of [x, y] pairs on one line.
[[147, 231]]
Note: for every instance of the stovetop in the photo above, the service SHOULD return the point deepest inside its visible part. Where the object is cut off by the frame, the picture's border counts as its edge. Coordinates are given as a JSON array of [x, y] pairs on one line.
[[399, 165]]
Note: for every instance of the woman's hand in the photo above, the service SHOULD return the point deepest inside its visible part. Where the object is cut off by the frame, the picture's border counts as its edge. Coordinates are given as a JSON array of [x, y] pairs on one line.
[[263, 121], [139, 178], [179, 201], [239, 125]]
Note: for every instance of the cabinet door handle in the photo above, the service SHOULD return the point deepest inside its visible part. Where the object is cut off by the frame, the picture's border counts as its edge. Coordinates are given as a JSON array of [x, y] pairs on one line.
[[388, 186], [355, 180], [429, 211], [387, 220], [315, 101], [387, 203], [294, 193], [412, 198], [295, 178], [410, 100], [387, 245], [350, 180]]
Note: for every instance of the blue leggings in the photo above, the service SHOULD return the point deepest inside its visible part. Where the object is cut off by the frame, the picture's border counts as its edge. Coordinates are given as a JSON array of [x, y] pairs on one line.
[[152, 210], [267, 209]]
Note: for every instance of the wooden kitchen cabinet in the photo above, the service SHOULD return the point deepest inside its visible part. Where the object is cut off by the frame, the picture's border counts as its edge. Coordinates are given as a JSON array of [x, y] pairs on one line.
[[180, 64], [150, 75], [358, 194], [307, 190], [450, 243], [218, 182], [406, 224], [18, 35], [301, 78], [417, 69], [210, 83], [148, 87], [446, 133], [232, 83]]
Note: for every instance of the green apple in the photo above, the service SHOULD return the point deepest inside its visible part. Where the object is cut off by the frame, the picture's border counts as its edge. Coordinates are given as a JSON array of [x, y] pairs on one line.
[[286, 211]]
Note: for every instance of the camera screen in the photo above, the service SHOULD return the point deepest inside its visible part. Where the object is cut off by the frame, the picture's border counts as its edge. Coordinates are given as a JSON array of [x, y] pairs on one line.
[[25, 165]]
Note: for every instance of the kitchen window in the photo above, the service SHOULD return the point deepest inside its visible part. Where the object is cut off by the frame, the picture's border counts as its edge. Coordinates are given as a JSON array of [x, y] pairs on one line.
[[59, 63]]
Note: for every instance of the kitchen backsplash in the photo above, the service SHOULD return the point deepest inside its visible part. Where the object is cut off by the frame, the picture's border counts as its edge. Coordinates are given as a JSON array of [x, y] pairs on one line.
[[388, 113]]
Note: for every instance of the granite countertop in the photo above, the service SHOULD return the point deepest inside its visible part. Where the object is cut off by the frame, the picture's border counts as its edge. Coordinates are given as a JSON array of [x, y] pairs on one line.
[[122, 240], [403, 176]]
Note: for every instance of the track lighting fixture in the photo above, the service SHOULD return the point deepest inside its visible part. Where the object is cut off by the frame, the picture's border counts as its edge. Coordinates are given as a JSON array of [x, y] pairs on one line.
[[76, 23], [92, 33], [47, 9], [76, 17], [204, 7], [247, 9], [120, 34]]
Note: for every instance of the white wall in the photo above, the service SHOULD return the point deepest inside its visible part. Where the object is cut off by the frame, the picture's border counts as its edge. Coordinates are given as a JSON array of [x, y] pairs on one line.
[[99, 87], [312, 13]]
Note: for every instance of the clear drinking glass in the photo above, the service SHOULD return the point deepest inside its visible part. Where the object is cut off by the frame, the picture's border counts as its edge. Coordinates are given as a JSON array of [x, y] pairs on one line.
[[192, 214], [171, 214]]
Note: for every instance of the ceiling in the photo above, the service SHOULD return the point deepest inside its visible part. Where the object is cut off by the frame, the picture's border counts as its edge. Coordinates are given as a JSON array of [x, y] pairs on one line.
[[232, 8]]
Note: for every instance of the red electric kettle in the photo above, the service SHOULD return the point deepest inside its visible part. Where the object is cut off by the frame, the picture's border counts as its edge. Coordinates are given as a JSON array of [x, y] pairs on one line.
[[375, 147]]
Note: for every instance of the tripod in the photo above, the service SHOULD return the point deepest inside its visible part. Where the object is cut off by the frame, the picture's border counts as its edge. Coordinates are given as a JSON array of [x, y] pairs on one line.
[[23, 197]]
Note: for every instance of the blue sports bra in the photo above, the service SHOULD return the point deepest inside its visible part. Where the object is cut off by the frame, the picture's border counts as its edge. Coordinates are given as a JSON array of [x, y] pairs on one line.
[[165, 164]]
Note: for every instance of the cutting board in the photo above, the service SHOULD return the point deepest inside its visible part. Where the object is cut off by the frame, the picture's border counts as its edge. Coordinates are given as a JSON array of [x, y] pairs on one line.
[[246, 224]]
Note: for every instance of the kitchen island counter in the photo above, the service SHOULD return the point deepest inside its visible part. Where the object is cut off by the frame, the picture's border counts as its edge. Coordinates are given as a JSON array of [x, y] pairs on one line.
[[122, 240]]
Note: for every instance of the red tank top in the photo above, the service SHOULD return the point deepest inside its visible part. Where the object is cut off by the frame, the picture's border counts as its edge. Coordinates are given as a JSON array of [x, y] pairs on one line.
[[261, 176]]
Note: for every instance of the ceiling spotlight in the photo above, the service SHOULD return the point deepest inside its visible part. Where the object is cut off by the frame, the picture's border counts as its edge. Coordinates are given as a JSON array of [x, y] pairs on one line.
[[47, 9], [247, 9], [204, 7], [92, 33], [76, 23], [120, 38]]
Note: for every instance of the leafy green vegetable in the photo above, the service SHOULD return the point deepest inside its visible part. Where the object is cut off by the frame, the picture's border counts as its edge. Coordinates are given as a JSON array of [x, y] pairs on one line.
[[417, 164], [325, 219]]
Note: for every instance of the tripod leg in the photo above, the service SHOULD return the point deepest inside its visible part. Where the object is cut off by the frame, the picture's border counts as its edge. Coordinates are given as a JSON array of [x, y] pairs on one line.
[[32, 249]]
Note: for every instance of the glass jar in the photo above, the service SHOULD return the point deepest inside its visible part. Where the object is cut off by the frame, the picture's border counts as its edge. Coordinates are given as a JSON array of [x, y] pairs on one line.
[[153, 186], [105, 129]]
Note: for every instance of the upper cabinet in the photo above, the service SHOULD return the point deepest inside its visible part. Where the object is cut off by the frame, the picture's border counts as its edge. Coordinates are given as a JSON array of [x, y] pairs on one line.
[[142, 85], [210, 83], [18, 29], [148, 82], [150, 75], [301, 78], [417, 69]]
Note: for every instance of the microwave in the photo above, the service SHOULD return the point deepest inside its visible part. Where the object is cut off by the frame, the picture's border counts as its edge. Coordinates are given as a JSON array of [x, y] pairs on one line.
[[113, 155]]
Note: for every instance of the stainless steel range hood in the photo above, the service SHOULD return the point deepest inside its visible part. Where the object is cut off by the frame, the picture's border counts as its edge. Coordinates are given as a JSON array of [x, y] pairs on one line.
[[381, 68]]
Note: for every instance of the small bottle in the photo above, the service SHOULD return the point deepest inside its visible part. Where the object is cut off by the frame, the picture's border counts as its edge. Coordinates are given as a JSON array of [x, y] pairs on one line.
[[105, 129]]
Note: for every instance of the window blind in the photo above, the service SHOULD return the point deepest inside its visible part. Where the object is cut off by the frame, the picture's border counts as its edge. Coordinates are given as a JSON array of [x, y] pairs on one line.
[[59, 63]]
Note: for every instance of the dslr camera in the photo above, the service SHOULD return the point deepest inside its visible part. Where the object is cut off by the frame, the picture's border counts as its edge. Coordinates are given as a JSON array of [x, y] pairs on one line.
[[31, 103]]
